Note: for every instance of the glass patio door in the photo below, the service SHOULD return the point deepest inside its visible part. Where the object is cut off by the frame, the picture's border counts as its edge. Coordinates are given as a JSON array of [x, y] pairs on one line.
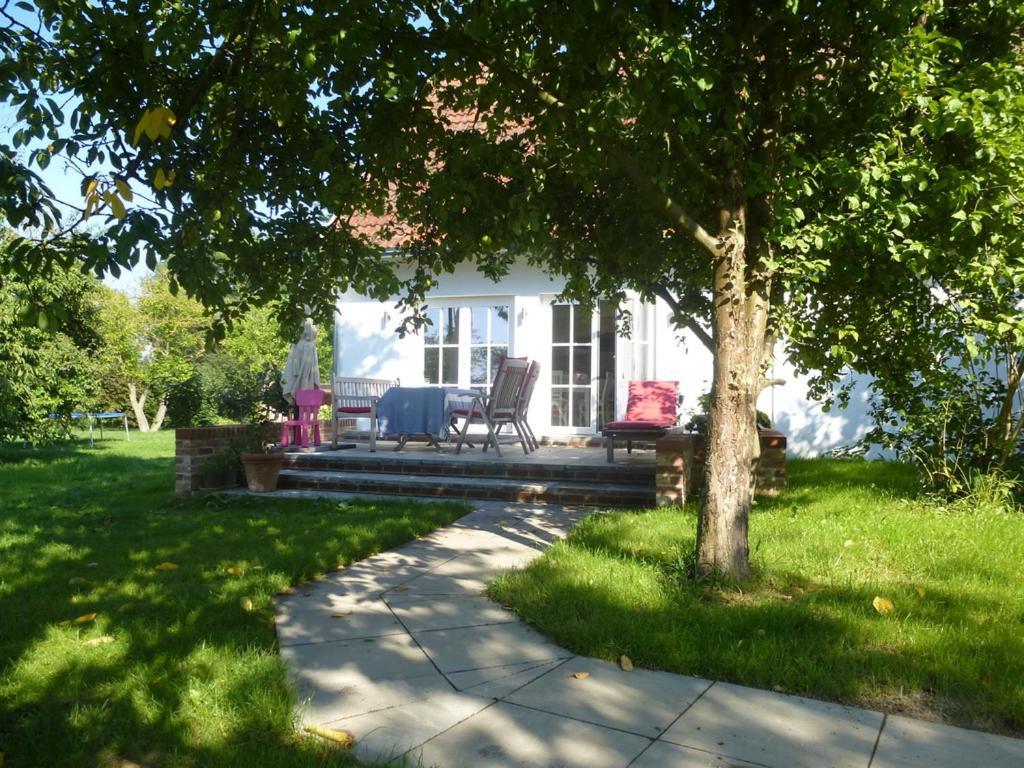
[[575, 368]]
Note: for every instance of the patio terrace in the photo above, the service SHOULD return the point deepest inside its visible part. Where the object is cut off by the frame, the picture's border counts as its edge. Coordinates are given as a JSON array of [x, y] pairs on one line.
[[551, 474]]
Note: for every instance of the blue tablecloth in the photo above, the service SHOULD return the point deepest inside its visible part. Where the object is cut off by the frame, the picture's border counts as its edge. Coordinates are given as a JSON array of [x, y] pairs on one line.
[[414, 411]]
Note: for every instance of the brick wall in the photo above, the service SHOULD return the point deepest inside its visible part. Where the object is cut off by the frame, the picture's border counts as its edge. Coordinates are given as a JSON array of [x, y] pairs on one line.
[[680, 466], [193, 446]]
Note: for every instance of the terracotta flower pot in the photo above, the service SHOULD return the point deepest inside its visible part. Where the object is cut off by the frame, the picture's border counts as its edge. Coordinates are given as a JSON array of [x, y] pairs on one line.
[[262, 470]]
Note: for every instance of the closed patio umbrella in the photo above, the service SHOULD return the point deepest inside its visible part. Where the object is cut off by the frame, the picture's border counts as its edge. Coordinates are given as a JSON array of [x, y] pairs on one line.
[[302, 371]]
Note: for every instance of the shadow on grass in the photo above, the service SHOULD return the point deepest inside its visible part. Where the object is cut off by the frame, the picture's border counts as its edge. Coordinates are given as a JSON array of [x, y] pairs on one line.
[[818, 641], [840, 536], [178, 666]]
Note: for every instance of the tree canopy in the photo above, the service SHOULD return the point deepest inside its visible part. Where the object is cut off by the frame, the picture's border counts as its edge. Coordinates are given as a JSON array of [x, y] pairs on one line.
[[809, 166]]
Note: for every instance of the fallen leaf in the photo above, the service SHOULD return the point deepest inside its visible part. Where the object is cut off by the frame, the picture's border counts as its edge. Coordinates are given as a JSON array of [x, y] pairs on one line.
[[127, 608], [580, 675], [344, 738], [848, 543], [165, 566], [786, 597], [85, 618], [235, 570], [626, 663], [883, 605], [246, 603], [920, 591], [100, 640], [400, 589], [77, 581], [340, 615]]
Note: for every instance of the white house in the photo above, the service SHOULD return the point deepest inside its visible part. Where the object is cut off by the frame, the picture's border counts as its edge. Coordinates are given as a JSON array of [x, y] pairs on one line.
[[585, 364]]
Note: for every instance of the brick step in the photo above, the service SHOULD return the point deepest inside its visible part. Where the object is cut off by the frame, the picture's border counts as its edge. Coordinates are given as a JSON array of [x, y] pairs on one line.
[[503, 489], [505, 468]]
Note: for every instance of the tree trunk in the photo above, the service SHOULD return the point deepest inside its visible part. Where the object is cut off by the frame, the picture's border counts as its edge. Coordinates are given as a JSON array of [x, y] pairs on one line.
[[138, 407], [739, 318], [161, 412]]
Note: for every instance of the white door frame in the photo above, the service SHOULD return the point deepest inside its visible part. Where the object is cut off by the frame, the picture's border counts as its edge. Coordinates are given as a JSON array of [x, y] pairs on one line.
[[549, 301]]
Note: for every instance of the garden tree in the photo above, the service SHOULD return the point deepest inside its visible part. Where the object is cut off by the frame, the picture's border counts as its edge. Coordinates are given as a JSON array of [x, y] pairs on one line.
[[119, 355], [149, 346], [261, 340], [48, 336], [933, 200], [686, 150]]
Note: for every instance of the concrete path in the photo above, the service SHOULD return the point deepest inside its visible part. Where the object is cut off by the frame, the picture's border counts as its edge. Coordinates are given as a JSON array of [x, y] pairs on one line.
[[404, 651]]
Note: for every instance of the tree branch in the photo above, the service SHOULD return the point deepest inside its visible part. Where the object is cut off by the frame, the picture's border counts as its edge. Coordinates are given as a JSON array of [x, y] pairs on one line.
[[687, 320], [675, 212]]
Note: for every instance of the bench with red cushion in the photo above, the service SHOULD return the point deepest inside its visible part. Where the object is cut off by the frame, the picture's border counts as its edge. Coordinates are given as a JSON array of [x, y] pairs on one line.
[[650, 413]]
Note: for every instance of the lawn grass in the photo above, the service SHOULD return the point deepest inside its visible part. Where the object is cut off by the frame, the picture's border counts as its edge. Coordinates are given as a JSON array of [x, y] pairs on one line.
[[843, 533], [190, 674]]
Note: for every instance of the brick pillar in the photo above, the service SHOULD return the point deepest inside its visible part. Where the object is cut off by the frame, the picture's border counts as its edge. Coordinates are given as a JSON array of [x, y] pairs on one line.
[[680, 467], [770, 476], [679, 473], [193, 446]]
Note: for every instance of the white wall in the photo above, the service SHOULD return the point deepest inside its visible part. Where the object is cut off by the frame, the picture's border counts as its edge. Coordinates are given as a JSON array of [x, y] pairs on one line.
[[369, 347], [809, 429]]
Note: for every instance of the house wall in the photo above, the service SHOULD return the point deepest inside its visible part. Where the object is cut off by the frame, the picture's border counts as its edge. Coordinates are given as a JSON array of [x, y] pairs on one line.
[[367, 345]]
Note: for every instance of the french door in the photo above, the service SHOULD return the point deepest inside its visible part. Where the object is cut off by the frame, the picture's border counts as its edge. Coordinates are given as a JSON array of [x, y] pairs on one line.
[[582, 367]]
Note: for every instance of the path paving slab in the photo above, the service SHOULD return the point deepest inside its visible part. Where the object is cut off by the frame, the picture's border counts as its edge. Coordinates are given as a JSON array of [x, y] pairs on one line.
[[498, 682], [319, 706], [641, 702], [390, 733], [447, 611], [332, 666], [300, 622], [458, 650], [504, 735], [907, 743], [661, 754], [773, 729]]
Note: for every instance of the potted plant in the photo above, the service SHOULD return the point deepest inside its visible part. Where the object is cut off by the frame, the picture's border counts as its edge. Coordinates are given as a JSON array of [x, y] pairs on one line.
[[220, 470], [261, 459]]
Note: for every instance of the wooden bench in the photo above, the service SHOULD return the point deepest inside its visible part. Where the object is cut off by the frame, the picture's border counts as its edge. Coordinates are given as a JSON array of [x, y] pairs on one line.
[[357, 398]]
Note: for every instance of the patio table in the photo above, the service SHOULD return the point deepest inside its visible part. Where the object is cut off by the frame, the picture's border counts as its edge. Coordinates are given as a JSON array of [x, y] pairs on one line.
[[426, 412]]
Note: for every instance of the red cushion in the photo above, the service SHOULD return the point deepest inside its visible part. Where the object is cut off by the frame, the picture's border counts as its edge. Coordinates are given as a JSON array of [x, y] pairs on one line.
[[652, 401], [628, 426], [354, 409]]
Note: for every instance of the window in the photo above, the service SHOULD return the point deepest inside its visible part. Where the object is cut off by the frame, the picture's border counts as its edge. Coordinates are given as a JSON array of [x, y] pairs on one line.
[[571, 372], [441, 347], [464, 343], [488, 343]]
